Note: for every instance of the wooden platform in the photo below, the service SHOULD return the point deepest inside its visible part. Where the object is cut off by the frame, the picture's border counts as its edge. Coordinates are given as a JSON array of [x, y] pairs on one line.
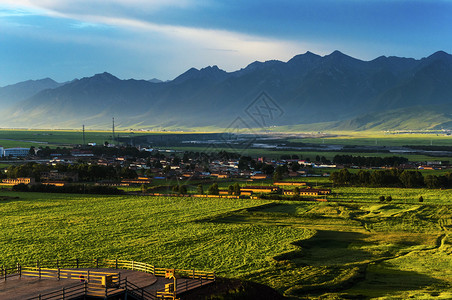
[[16, 288]]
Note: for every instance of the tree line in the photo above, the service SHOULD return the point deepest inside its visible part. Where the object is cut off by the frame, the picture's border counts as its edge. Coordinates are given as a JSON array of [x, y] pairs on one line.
[[391, 178]]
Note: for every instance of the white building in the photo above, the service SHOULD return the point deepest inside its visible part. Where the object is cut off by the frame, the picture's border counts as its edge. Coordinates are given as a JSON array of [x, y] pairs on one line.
[[16, 152]]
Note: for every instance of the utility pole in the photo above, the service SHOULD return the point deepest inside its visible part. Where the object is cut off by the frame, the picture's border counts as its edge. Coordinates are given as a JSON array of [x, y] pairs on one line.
[[113, 136], [83, 126]]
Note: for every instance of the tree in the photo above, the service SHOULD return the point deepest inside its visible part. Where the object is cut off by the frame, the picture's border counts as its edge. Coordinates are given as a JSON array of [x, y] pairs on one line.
[[277, 175], [230, 189], [421, 199], [432, 182], [200, 190], [182, 189], [213, 189], [381, 198], [236, 189], [411, 179]]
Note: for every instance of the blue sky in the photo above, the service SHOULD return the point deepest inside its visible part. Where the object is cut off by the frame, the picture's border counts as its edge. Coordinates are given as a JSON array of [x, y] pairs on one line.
[[144, 39]]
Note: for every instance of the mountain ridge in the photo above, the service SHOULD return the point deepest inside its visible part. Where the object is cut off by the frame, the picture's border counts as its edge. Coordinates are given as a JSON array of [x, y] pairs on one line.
[[308, 88]]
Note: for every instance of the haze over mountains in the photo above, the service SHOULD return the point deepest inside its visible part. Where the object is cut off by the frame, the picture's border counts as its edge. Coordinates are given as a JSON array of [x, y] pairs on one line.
[[309, 91]]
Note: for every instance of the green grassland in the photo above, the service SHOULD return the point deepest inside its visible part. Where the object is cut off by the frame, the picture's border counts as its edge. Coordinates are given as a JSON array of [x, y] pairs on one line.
[[354, 247], [379, 138], [53, 138]]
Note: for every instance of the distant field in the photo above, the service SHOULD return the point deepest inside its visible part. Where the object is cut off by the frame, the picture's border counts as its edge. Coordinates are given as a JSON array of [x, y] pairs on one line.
[[28, 138], [370, 138], [276, 154], [303, 249]]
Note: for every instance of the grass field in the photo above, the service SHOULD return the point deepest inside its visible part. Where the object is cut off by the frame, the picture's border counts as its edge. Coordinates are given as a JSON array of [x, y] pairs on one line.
[[307, 250], [58, 138], [379, 138]]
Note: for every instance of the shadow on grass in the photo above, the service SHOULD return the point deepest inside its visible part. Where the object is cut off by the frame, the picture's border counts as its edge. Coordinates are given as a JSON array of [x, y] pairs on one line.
[[381, 281]]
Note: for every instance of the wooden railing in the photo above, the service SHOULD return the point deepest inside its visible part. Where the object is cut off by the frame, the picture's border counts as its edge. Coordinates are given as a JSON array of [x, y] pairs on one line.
[[84, 275], [92, 280]]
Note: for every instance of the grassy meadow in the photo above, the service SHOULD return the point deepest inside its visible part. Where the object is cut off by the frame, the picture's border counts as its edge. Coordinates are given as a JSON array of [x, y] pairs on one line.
[[379, 138], [355, 247]]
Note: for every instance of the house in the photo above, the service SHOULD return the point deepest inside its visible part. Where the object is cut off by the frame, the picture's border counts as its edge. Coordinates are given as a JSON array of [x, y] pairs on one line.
[[260, 189], [54, 175], [259, 176], [290, 183], [14, 181]]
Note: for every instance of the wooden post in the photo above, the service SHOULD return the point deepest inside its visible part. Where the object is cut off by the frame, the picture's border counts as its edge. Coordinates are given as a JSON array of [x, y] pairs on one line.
[[126, 286], [193, 273], [76, 262], [62, 293], [116, 263], [153, 270], [6, 273], [39, 268], [20, 271], [1, 274], [97, 263], [87, 275], [132, 265], [86, 287], [58, 273], [39, 297]]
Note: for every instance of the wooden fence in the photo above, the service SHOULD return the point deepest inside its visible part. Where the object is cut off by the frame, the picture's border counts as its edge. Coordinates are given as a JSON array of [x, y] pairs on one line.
[[94, 282]]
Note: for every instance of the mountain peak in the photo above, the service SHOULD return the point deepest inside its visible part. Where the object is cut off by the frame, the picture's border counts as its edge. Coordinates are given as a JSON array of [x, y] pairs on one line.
[[210, 72], [105, 76], [440, 55]]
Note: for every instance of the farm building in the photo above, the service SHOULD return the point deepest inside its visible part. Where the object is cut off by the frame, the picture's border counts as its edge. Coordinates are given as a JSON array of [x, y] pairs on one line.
[[16, 152], [309, 192], [290, 183], [14, 181], [259, 189]]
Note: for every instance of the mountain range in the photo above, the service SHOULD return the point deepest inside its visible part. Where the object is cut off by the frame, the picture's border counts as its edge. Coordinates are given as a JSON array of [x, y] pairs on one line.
[[309, 91]]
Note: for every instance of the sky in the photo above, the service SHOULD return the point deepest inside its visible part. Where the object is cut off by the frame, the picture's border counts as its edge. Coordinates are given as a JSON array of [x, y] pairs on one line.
[[145, 39]]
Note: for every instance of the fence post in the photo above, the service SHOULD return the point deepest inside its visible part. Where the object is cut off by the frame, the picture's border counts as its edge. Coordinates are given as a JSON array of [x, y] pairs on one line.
[[132, 265], [20, 271], [62, 293], [85, 283], [1, 274], [126, 286], [153, 270], [39, 296], [116, 263], [39, 268], [58, 273], [6, 273], [97, 263], [193, 273], [76, 262], [87, 275]]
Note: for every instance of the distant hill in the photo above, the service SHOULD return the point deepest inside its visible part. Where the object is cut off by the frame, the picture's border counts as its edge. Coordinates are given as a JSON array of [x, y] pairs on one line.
[[14, 93], [308, 91]]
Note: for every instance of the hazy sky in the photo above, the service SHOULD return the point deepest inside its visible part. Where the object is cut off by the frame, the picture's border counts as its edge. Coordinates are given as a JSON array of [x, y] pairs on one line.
[[144, 39]]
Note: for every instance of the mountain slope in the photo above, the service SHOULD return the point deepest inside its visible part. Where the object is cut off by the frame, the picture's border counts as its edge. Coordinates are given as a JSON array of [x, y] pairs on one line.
[[14, 93], [336, 90]]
